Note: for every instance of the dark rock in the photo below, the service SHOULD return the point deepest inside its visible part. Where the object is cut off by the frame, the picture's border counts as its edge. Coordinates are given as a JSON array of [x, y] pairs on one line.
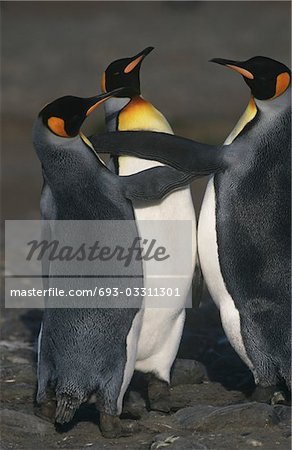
[[187, 371], [242, 417], [283, 413], [205, 393], [188, 418], [26, 423], [206, 418]]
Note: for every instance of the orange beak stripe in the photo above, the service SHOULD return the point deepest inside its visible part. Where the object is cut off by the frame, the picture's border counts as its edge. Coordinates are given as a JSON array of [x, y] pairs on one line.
[[92, 108], [242, 71], [133, 64]]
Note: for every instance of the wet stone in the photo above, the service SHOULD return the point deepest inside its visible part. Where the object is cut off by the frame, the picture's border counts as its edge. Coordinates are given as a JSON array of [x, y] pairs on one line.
[[283, 414], [26, 423], [242, 417], [205, 393], [188, 418], [187, 371]]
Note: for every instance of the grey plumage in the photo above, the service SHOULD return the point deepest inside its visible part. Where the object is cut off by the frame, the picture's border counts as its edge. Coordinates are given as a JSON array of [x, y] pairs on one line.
[[84, 351]]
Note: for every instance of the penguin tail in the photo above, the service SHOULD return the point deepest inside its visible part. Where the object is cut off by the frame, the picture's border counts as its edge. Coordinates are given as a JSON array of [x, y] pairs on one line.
[[67, 405]]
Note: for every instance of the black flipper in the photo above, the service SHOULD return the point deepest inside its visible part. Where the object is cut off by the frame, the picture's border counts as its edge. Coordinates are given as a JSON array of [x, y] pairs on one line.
[[154, 184], [183, 154]]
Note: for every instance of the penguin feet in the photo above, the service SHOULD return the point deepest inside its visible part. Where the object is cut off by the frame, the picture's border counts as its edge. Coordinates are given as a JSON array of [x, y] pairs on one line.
[[158, 395], [113, 427]]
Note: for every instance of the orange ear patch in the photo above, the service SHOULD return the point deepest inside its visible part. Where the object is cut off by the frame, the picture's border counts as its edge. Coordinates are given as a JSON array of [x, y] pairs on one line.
[[57, 126], [133, 64], [242, 71], [102, 83], [283, 81]]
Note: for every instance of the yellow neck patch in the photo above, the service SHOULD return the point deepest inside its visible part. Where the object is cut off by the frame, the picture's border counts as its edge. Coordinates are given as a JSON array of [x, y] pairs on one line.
[[141, 115], [89, 144], [86, 141], [57, 126], [246, 117], [283, 81]]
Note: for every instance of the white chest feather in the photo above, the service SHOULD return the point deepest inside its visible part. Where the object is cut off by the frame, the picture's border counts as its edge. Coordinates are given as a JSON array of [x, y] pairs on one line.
[[208, 253], [207, 235], [178, 205], [161, 327]]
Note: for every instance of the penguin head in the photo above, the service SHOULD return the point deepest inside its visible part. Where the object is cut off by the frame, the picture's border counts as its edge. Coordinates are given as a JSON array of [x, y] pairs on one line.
[[266, 77], [125, 73], [65, 115]]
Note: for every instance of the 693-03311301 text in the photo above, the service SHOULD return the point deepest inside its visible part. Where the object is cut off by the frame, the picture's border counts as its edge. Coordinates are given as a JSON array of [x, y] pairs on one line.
[[97, 291]]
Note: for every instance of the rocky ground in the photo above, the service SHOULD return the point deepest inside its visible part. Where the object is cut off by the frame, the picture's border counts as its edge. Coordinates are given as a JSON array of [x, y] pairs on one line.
[[209, 404]]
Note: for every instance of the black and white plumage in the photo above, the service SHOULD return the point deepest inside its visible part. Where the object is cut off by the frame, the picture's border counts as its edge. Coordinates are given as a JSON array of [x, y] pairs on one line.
[[84, 351], [244, 224]]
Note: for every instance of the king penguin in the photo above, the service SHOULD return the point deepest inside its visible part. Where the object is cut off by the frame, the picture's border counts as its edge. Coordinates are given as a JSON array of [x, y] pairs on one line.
[[244, 224], [88, 351], [161, 327]]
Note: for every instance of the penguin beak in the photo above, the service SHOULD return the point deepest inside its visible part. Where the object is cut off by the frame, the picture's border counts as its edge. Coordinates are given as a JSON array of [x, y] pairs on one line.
[[137, 59], [238, 66], [94, 102]]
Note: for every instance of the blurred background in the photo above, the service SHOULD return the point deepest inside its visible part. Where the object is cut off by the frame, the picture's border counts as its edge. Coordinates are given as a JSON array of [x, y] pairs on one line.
[[50, 49]]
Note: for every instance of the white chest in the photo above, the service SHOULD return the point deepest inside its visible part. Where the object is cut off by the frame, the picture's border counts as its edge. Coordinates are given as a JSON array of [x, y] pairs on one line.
[[207, 246], [208, 253], [175, 207]]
